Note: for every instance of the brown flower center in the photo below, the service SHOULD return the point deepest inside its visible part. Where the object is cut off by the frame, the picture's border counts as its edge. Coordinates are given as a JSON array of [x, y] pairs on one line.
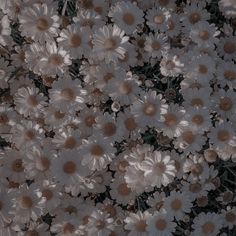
[[197, 119], [108, 76], [97, 150], [197, 102], [123, 189], [230, 75], [156, 45], [130, 124], [176, 204], [208, 228], [100, 224], [26, 202], [141, 226], [195, 187], [87, 4], [164, 3], [160, 168], [68, 228], [58, 115], [55, 59], [188, 137], [3, 119], [44, 163], [47, 193], [230, 217], [159, 19], [109, 129], [196, 169], [161, 224], [125, 88], [128, 18], [149, 109], [70, 143], [229, 47], [223, 135], [42, 24], [29, 135], [202, 69], [32, 101], [69, 167], [89, 120], [226, 104], [32, 233], [75, 41], [194, 17], [17, 165], [68, 94], [110, 44], [204, 35], [170, 119], [122, 166]]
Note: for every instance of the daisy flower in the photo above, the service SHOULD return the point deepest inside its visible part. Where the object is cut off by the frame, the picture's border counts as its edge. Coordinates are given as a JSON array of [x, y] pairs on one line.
[[207, 224], [177, 204], [25, 205], [106, 73], [149, 110], [35, 228], [109, 43], [159, 169], [197, 98], [229, 217], [124, 90], [40, 22], [136, 223], [29, 102], [67, 138], [222, 135], [156, 201], [173, 122], [226, 73], [161, 224], [107, 127], [75, 39], [67, 95], [197, 166], [26, 133], [99, 223], [126, 16], [204, 34], [190, 141], [67, 167], [227, 48], [136, 179], [199, 119], [96, 152], [224, 103], [193, 14], [120, 191], [47, 59], [38, 162], [174, 27], [155, 45], [156, 19]]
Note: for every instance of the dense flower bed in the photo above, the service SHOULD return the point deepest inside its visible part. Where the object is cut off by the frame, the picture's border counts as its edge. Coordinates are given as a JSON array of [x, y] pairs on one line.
[[117, 117]]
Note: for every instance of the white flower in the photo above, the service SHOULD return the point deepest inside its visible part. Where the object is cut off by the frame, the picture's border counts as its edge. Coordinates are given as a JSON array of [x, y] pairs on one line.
[[96, 152], [161, 224], [208, 224], [75, 39], [127, 16], [137, 223], [177, 204], [109, 43], [159, 169], [40, 22]]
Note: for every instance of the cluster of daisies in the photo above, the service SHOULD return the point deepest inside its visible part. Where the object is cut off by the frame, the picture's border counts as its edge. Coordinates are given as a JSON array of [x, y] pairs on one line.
[[117, 117]]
